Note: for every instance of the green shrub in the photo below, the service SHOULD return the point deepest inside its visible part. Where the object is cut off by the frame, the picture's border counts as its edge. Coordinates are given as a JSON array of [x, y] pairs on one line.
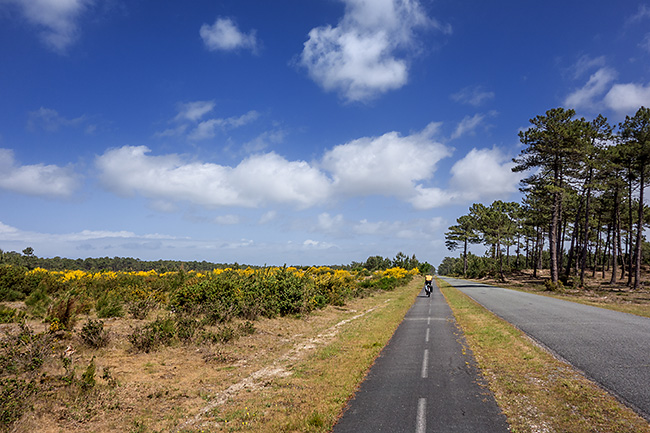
[[224, 334], [12, 280], [186, 328], [88, 377], [93, 334], [160, 332], [550, 286], [109, 305], [38, 302], [14, 394], [140, 309], [24, 351], [11, 315]]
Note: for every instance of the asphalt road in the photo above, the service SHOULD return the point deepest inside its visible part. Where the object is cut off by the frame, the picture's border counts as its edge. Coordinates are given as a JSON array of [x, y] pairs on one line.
[[609, 347], [424, 380]]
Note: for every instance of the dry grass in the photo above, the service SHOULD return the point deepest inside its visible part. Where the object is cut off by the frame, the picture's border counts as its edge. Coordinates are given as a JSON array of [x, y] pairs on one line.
[[292, 374], [537, 392]]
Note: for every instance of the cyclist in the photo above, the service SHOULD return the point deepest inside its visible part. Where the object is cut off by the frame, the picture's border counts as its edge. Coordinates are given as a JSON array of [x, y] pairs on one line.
[[428, 284]]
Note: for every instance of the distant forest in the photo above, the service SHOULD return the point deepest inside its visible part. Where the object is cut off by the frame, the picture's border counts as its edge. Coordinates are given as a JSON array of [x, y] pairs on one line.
[[29, 260]]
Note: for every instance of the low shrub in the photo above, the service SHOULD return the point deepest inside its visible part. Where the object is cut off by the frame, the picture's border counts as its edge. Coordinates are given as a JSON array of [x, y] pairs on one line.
[[550, 286], [14, 394], [38, 302], [186, 328], [11, 283], [88, 376], [64, 312], [109, 305], [160, 332], [94, 335], [11, 315]]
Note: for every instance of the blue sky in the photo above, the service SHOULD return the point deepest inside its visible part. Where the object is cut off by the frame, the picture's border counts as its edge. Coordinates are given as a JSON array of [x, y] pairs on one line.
[[287, 131]]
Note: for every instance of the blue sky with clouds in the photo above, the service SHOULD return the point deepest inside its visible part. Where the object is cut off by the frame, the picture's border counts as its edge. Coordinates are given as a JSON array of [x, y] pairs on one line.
[[287, 131]]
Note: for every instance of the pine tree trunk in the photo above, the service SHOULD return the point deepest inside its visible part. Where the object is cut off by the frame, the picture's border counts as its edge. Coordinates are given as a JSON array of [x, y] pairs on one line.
[[639, 233]]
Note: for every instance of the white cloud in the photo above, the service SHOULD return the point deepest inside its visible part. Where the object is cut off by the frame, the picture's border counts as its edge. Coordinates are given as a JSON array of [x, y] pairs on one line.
[[628, 98], [588, 96], [468, 125], [429, 198], [361, 57], [473, 95], [56, 19], [49, 181], [257, 180], [390, 165], [193, 111], [208, 128], [329, 223], [225, 35], [482, 174], [386, 165], [189, 118], [602, 92]]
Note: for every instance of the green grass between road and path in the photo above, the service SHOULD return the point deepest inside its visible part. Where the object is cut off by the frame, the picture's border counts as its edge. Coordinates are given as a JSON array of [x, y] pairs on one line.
[[536, 391]]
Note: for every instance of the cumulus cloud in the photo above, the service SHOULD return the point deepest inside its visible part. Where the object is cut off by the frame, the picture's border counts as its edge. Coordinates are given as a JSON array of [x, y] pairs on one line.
[[603, 92], [257, 180], [392, 165], [482, 174], [628, 98], [57, 20], [363, 56], [224, 35], [49, 181], [386, 165], [588, 95]]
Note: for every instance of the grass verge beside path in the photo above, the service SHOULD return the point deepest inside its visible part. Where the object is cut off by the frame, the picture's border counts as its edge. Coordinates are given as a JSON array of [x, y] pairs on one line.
[[312, 390], [536, 391]]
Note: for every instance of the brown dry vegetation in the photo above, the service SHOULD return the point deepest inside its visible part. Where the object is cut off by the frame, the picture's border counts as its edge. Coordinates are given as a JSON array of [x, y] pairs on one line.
[[291, 374]]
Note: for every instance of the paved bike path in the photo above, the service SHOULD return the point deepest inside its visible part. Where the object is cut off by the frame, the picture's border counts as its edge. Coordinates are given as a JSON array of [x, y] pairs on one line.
[[610, 347], [424, 380]]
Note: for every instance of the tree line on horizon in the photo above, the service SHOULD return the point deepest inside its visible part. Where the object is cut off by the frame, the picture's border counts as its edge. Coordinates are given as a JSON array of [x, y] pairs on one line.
[[30, 261], [583, 204]]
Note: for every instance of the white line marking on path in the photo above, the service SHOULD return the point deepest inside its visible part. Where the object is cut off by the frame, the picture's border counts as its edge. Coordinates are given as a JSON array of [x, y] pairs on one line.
[[426, 338], [425, 364], [421, 420]]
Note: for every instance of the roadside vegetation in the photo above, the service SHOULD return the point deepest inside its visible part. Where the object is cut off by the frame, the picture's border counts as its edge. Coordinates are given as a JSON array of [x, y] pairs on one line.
[[536, 391], [79, 350]]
